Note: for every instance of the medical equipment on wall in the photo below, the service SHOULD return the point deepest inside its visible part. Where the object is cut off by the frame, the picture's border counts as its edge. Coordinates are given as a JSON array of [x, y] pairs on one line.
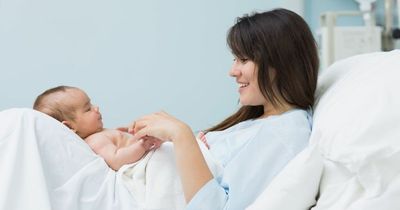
[[396, 31], [398, 12], [391, 34], [338, 42], [366, 9]]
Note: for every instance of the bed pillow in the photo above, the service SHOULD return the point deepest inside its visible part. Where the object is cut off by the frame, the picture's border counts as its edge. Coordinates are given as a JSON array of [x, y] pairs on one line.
[[353, 159]]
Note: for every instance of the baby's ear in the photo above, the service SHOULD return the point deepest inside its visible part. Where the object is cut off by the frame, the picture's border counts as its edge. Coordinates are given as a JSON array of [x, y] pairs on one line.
[[68, 124]]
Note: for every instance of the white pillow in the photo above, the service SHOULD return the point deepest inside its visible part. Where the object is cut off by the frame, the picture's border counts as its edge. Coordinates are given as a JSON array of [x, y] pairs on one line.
[[353, 160]]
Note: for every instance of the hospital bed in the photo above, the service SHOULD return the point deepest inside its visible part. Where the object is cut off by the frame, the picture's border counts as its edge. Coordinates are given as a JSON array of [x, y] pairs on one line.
[[353, 158], [352, 161]]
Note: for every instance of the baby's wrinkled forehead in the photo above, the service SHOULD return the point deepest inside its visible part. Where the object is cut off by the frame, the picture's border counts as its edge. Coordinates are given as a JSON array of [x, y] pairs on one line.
[[72, 97]]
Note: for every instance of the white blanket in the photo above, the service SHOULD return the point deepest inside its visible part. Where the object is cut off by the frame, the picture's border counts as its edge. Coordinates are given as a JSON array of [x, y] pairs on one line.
[[154, 181], [46, 166], [353, 160]]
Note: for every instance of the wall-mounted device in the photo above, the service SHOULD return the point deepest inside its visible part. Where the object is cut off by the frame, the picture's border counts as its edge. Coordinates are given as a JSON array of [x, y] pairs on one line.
[[338, 42]]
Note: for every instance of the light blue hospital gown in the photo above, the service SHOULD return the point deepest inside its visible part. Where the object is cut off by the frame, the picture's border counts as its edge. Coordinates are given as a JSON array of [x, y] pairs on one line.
[[251, 154]]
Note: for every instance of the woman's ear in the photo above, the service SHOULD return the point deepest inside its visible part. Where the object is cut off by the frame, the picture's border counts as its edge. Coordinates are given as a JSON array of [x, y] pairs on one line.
[[69, 125]]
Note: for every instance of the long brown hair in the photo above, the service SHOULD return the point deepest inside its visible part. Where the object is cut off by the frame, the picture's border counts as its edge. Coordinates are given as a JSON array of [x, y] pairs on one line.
[[281, 40]]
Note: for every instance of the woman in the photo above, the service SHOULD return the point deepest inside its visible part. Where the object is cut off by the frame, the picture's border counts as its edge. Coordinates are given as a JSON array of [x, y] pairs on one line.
[[276, 67]]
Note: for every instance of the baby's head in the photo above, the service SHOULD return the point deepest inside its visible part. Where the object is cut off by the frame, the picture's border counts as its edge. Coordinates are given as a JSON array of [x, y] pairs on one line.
[[71, 106]]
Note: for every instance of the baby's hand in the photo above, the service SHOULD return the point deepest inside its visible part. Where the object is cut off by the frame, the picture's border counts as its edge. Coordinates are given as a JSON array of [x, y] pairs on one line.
[[157, 144], [151, 142], [203, 139]]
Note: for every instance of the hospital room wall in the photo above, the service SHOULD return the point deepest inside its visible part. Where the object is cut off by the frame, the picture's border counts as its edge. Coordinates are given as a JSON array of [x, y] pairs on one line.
[[131, 57], [314, 8]]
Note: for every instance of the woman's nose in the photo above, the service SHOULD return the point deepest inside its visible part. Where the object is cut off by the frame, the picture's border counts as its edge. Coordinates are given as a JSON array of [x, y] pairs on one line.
[[235, 71], [96, 108]]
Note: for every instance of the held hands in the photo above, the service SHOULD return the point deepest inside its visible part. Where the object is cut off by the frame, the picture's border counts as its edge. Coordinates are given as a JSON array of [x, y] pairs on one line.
[[159, 125], [150, 143]]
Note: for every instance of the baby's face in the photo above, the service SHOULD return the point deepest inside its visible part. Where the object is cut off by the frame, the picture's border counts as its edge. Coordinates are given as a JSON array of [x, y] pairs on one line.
[[87, 116]]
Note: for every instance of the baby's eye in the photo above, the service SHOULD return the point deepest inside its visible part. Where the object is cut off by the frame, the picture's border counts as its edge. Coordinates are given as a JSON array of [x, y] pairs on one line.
[[88, 109]]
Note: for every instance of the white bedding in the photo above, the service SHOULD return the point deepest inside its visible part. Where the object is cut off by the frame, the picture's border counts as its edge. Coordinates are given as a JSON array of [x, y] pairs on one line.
[[154, 181], [46, 166], [353, 160]]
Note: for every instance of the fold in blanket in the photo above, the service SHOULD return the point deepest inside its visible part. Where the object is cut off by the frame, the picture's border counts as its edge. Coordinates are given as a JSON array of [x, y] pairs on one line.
[[154, 182]]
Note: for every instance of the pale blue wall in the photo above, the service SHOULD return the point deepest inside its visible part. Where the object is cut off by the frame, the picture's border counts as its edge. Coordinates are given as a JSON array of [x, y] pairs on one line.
[[132, 57]]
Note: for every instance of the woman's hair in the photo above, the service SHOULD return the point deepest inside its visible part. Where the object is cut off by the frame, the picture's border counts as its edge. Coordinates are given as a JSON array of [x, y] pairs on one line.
[[281, 41], [48, 103]]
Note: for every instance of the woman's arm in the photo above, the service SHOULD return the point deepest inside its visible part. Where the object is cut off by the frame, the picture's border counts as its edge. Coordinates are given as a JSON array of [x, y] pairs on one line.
[[192, 167], [191, 164]]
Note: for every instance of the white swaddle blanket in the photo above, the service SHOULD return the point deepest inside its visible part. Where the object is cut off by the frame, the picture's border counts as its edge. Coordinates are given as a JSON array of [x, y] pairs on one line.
[[154, 182], [45, 166]]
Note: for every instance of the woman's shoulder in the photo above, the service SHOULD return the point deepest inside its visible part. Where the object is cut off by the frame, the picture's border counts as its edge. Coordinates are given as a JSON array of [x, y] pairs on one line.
[[291, 118], [292, 128]]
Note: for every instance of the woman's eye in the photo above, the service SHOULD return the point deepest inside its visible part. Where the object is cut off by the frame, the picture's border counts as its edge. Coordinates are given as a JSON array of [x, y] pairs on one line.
[[244, 60]]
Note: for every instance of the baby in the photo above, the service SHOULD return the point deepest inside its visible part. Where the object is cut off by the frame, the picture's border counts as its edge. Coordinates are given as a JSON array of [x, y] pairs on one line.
[[72, 107]]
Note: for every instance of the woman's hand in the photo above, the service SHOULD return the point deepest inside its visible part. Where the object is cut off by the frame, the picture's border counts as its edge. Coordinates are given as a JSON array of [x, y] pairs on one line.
[[159, 125], [192, 167], [149, 142]]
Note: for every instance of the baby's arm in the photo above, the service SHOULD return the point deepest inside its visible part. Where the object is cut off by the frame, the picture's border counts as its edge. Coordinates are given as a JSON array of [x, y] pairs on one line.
[[102, 143]]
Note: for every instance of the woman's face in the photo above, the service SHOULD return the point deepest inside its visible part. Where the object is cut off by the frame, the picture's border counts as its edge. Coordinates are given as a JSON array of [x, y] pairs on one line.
[[245, 71]]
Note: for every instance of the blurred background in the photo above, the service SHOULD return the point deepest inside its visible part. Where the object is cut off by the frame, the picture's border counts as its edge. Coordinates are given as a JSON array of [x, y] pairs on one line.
[[137, 57]]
